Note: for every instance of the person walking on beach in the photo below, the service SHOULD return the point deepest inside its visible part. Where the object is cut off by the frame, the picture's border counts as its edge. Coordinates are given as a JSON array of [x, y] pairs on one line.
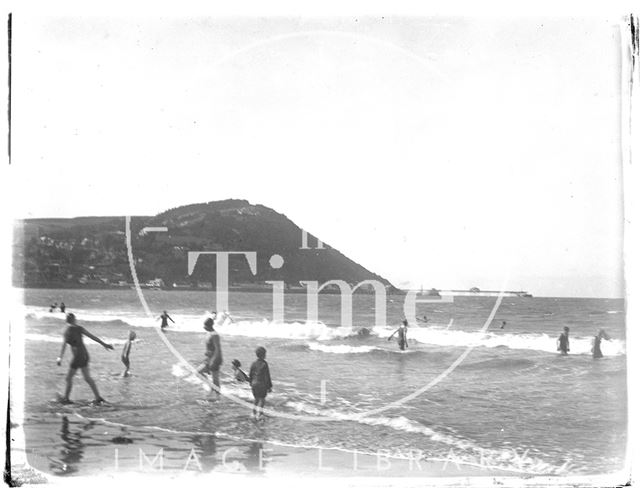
[[73, 336], [164, 317], [595, 346], [402, 335], [563, 342], [213, 355], [260, 380], [125, 353]]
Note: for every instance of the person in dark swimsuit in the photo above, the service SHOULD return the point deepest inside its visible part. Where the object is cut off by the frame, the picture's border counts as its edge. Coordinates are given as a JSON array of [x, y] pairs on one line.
[[563, 342], [260, 380], [595, 348], [73, 336], [63, 307], [402, 335], [165, 318], [213, 355]]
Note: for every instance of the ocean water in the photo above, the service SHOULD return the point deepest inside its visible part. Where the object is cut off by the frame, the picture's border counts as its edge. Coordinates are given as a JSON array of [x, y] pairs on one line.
[[512, 403]]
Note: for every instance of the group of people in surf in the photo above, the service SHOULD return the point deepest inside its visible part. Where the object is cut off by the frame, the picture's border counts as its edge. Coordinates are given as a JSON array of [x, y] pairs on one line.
[[259, 376], [562, 343]]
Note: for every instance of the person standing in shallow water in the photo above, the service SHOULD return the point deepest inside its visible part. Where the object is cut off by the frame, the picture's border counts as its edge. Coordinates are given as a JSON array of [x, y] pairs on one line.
[[126, 350], [595, 347], [213, 355], [73, 336], [164, 317], [563, 342], [402, 335], [260, 380]]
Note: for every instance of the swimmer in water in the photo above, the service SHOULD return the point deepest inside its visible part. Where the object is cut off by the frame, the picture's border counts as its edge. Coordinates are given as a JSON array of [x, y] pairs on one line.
[[563, 342], [73, 336], [238, 374], [125, 353], [364, 332], [402, 335]]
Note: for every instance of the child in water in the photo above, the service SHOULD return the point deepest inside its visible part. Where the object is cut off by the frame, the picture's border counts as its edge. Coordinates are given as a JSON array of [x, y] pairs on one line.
[[260, 380], [563, 342], [125, 353], [402, 335], [238, 374], [73, 336]]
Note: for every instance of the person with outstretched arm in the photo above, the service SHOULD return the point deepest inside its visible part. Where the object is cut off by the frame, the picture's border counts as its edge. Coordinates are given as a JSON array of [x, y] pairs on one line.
[[164, 316], [80, 360], [402, 335]]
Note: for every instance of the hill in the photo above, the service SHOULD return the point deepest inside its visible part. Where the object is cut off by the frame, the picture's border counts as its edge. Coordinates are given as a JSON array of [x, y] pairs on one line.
[[91, 251]]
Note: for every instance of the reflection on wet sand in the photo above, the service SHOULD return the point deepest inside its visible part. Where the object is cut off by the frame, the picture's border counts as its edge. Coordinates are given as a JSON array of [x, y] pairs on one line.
[[71, 452]]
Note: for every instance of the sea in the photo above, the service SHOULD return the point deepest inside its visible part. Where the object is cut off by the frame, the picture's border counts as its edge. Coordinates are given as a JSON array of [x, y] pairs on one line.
[[465, 390]]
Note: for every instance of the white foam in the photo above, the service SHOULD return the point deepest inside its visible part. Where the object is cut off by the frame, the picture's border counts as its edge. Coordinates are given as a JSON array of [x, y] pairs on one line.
[[58, 339], [340, 348], [535, 342], [435, 334], [500, 457]]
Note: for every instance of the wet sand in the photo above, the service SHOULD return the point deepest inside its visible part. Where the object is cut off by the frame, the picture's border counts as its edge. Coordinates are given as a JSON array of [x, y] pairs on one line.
[[66, 447]]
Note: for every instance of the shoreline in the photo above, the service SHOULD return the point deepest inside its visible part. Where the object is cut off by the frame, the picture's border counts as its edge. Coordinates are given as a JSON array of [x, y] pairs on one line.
[[101, 449], [131, 286]]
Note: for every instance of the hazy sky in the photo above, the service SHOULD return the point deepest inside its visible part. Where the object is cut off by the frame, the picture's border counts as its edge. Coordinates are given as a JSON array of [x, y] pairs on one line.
[[434, 151]]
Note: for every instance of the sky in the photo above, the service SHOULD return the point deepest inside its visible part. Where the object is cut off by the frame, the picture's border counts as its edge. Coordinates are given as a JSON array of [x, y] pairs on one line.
[[437, 152]]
